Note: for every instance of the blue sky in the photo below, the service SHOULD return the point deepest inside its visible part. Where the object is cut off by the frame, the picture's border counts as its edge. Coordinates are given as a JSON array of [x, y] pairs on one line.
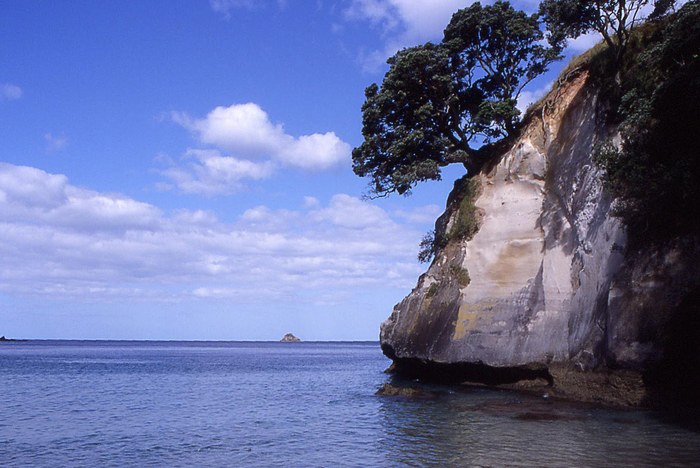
[[181, 169]]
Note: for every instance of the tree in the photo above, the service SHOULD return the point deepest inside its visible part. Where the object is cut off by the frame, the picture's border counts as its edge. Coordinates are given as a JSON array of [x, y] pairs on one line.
[[613, 19], [452, 102]]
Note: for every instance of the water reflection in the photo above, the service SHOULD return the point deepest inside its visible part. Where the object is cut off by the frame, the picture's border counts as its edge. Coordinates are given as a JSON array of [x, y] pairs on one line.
[[482, 427]]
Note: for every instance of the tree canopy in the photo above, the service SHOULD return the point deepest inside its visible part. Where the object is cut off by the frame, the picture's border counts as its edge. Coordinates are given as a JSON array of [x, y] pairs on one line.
[[613, 19], [453, 102]]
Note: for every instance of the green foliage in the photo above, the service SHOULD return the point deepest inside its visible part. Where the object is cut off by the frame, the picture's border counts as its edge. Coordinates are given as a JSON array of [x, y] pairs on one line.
[[613, 19], [464, 226], [504, 47], [466, 222], [403, 122], [654, 173], [451, 102], [432, 291], [460, 274], [428, 248]]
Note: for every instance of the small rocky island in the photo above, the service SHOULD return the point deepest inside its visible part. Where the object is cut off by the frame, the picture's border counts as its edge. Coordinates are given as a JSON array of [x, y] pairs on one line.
[[289, 338], [3, 338]]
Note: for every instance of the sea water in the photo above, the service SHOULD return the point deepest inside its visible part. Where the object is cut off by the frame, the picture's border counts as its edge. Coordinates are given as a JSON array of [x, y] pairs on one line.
[[79, 403]]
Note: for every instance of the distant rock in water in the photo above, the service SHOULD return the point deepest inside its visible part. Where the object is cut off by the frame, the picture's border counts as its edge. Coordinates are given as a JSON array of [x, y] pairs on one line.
[[289, 338], [3, 338]]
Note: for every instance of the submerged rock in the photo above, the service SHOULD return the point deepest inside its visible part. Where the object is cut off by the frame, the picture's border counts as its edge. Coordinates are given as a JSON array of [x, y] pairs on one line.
[[289, 338], [406, 392]]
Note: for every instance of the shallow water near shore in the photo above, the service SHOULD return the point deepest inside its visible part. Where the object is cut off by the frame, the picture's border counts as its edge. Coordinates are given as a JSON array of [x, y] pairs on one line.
[[80, 403]]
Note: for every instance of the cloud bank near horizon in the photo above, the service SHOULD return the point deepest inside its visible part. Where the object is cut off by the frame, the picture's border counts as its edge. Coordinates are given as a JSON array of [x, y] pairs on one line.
[[68, 242]]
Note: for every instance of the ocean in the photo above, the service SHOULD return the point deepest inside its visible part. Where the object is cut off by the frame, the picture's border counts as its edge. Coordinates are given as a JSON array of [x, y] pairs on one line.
[[92, 403]]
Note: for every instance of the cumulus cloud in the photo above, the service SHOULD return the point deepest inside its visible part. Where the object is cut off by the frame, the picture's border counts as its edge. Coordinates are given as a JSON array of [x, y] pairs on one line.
[[9, 92], [403, 23], [315, 152], [255, 148], [65, 241], [246, 131]]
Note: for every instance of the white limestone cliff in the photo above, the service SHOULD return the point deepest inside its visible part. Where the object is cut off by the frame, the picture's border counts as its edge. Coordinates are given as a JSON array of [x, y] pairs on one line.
[[548, 281]]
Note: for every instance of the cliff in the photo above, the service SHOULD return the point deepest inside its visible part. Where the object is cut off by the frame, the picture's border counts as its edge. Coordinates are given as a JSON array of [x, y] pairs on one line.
[[544, 291]]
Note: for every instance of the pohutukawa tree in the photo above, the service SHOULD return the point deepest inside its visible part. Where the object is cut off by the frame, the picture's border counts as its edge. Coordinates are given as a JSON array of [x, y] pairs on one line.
[[453, 102], [613, 19]]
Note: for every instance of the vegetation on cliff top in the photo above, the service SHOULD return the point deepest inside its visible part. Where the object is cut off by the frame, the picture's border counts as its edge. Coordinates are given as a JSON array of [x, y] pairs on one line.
[[614, 20], [654, 172]]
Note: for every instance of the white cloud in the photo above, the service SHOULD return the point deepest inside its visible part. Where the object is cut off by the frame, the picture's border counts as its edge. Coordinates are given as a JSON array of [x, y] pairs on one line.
[[420, 215], [68, 242], [243, 129], [208, 172], [350, 212], [256, 147], [311, 202], [528, 97], [55, 143], [406, 23], [10, 92], [413, 21], [31, 196], [583, 43], [315, 152], [403, 23], [586, 41]]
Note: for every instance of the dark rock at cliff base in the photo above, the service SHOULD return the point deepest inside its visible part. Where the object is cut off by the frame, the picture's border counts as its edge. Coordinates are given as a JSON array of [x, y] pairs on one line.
[[289, 338]]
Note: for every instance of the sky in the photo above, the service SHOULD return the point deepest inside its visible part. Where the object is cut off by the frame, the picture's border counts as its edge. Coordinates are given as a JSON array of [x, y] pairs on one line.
[[181, 170]]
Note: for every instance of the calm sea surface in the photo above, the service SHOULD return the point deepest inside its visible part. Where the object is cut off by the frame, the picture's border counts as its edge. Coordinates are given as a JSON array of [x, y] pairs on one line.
[[72, 403]]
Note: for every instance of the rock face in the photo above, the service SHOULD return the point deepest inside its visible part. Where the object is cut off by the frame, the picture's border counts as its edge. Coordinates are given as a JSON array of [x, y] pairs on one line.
[[545, 289], [289, 338]]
